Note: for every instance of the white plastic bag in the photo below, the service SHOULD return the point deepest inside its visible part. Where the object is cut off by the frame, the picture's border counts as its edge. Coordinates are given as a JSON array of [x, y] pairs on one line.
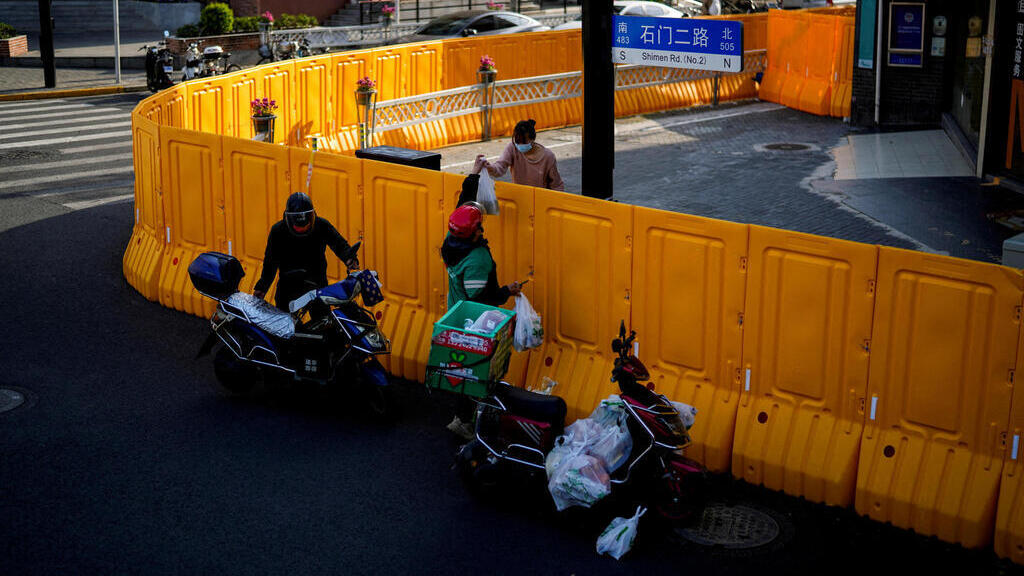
[[686, 412], [613, 446], [485, 194], [579, 481], [529, 331], [618, 537]]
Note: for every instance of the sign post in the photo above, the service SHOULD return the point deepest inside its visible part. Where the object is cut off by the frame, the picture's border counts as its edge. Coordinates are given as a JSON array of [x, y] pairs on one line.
[[696, 44], [598, 100]]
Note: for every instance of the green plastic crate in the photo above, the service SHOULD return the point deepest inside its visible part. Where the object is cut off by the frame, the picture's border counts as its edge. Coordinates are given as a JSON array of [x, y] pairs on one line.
[[466, 362]]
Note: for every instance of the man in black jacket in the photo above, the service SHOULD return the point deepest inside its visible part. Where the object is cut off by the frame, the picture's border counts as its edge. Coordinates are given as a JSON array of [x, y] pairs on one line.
[[296, 247]]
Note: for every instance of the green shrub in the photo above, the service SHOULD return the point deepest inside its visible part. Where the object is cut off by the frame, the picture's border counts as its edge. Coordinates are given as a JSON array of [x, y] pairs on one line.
[[189, 31], [7, 31], [289, 21], [216, 18], [247, 24]]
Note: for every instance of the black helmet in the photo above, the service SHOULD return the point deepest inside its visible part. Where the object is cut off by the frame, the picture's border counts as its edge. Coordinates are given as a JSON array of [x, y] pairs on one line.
[[299, 214]]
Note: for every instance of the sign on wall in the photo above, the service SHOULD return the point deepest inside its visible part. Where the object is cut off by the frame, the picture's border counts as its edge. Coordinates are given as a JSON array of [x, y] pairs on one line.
[[866, 10], [697, 44], [906, 34]]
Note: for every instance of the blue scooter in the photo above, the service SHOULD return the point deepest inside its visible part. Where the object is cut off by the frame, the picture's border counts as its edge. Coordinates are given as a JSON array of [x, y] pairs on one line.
[[326, 338]]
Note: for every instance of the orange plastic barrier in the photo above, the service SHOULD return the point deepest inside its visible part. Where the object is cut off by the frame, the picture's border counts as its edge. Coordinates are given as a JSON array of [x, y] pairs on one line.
[[193, 189], [779, 35], [1009, 539], [842, 73], [944, 349], [816, 92], [689, 275], [142, 258], [404, 223], [796, 49], [807, 329], [582, 304]]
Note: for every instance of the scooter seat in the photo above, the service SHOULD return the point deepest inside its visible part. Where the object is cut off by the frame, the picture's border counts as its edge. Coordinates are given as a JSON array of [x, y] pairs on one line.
[[539, 407], [263, 315]]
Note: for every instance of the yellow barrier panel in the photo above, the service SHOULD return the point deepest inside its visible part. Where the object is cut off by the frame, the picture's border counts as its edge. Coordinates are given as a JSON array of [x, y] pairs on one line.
[[277, 82], [816, 91], [336, 189], [944, 349], [142, 258], [795, 47], [348, 68], [175, 107], [583, 302], [779, 32], [1009, 539], [688, 283], [842, 87], [206, 106], [193, 184], [257, 184], [807, 329], [314, 88], [404, 226]]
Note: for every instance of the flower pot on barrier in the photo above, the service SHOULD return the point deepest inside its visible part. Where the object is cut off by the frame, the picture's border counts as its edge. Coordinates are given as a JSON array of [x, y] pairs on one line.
[[263, 127]]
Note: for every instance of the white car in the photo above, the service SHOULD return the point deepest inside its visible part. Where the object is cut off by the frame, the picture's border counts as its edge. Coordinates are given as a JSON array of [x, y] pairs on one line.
[[683, 9]]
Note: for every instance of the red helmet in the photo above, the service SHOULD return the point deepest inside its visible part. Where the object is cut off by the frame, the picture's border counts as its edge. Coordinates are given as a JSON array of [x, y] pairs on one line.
[[466, 220]]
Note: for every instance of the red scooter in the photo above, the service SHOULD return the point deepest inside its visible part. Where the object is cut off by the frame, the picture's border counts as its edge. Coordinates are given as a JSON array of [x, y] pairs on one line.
[[515, 430]]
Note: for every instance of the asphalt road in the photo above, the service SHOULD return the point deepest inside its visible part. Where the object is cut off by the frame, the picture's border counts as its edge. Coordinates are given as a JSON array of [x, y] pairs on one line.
[[128, 458]]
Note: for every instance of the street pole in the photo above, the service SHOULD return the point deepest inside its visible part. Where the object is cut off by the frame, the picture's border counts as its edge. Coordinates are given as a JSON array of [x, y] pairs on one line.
[[598, 99], [46, 44], [117, 46]]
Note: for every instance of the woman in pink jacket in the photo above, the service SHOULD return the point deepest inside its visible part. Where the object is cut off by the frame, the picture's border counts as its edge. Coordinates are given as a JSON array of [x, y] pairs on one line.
[[531, 163]]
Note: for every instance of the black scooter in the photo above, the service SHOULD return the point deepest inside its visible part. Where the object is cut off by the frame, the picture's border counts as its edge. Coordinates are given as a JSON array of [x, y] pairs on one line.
[[159, 65], [516, 429], [327, 338]]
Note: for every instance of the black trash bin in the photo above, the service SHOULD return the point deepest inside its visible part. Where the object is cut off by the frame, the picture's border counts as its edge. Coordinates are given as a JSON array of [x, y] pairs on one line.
[[404, 156]]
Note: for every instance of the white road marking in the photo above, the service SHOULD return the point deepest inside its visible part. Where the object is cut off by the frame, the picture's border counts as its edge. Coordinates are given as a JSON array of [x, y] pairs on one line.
[[65, 140], [83, 204], [65, 177], [79, 120], [47, 132], [66, 163]]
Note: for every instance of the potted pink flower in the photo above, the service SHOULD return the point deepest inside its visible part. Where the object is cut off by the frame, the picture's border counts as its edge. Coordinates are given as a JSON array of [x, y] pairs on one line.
[[387, 12], [263, 118], [495, 5], [487, 71], [365, 89]]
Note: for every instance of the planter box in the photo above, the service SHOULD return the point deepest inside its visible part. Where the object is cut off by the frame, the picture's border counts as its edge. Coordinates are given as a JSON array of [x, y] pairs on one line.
[[14, 46]]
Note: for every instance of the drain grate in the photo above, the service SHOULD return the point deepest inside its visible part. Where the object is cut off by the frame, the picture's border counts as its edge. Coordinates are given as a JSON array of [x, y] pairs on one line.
[[732, 527], [10, 399], [787, 146]]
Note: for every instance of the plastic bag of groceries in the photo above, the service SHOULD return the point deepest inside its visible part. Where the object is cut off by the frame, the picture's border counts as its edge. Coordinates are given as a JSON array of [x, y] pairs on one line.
[[613, 446], [686, 412], [580, 480], [609, 411], [486, 195], [529, 331], [618, 537]]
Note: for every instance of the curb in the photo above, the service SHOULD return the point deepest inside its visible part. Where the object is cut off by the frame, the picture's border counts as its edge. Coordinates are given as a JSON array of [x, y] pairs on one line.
[[97, 91]]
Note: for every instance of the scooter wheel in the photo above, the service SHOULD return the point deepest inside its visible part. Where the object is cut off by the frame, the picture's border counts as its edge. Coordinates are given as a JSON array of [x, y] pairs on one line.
[[233, 374], [232, 68]]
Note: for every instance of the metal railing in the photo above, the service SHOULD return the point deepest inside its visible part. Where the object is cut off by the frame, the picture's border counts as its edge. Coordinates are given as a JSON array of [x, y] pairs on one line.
[[372, 34], [403, 112]]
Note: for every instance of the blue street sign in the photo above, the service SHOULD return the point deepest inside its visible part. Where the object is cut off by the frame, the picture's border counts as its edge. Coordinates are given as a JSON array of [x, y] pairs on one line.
[[678, 42]]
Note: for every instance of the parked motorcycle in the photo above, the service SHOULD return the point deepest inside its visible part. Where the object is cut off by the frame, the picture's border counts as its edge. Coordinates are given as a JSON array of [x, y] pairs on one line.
[[327, 338], [285, 50], [213, 60], [159, 65], [516, 429]]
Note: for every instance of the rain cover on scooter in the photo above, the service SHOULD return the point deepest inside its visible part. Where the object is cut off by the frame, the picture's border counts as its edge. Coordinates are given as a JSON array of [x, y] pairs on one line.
[[265, 316]]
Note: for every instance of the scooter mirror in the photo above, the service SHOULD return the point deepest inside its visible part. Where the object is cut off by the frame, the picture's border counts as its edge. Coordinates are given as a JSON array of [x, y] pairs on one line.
[[167, 34]]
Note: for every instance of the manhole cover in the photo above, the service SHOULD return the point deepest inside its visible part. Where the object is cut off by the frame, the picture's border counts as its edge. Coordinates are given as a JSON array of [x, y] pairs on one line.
[[10, 399], [786, 146], [733, 527]]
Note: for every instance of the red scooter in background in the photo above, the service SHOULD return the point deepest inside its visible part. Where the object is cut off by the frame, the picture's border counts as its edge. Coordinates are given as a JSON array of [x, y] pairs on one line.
[[515, 430]]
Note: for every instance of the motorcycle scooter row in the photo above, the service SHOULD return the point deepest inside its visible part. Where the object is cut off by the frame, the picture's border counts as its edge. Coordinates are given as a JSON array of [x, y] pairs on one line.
[[213, 60]]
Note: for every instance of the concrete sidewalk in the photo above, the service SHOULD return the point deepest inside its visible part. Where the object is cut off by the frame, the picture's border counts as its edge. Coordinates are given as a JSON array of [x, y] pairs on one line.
[[727, 163], [15, 80]]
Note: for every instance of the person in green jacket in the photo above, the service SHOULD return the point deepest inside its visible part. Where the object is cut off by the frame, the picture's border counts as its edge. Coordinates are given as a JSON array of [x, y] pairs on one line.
[[473, 276]]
